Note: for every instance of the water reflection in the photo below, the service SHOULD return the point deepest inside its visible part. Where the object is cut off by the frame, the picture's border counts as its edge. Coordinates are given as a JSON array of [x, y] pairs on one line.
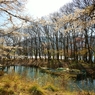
[[88, 84], [81, 85]]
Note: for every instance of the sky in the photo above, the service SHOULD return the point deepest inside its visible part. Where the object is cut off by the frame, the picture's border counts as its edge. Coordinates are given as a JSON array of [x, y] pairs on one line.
[[39, 8]]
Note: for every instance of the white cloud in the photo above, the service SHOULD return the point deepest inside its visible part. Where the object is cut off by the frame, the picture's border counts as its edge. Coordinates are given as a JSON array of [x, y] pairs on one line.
[[38, 8]]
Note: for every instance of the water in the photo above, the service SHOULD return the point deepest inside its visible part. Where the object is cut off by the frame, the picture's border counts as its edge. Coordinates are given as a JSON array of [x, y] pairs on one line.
[[35, 74], [87, 85], [29, 72], [42, 78]]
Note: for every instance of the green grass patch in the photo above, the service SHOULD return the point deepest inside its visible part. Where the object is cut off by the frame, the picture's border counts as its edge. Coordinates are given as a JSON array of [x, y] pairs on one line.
[[51, 87], [36, 90]]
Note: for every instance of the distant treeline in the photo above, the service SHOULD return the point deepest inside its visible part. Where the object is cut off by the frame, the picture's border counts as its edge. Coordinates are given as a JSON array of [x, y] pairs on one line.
[[75, 47]]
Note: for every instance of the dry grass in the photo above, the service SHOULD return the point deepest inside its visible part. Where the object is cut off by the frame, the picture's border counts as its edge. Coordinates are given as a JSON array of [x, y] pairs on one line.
[[1, 73], [13, 84]]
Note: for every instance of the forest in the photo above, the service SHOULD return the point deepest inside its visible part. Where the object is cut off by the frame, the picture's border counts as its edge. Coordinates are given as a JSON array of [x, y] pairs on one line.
[[65, 38]]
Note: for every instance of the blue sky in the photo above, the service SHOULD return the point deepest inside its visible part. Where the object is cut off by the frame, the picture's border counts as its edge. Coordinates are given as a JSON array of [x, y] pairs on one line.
[[38, 8]]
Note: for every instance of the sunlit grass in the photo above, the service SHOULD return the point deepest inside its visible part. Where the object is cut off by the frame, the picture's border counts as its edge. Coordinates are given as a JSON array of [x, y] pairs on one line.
[[51, 87], [14, 84], [36, 90]]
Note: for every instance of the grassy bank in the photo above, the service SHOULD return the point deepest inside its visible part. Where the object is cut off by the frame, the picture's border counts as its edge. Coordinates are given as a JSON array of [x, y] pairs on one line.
[[13, 84]]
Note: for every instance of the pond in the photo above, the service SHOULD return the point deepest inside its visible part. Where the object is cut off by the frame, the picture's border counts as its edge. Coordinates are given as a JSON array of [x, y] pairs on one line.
[[42, 78]]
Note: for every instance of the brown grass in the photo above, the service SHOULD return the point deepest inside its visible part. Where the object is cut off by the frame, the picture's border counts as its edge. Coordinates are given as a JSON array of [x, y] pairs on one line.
[[13, 84]]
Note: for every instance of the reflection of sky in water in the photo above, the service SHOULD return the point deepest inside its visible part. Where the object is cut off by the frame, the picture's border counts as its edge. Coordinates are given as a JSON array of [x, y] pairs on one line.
[[36, 74]]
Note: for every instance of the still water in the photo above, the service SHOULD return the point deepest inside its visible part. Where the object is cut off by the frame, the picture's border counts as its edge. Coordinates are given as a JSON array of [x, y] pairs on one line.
[[42, 78]]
